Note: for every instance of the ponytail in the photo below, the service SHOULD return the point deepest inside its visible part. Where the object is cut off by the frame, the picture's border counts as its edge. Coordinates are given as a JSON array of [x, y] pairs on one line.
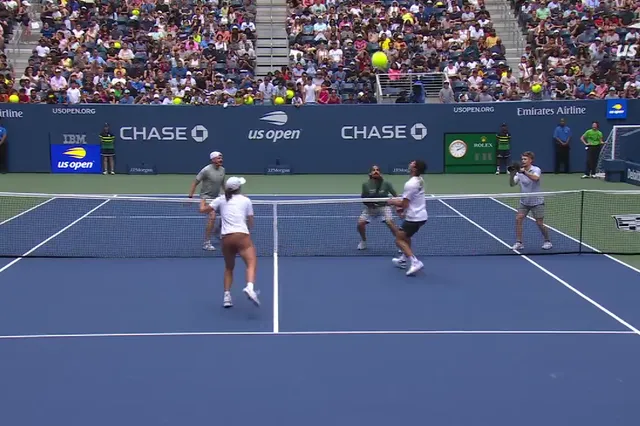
[[228, 193]]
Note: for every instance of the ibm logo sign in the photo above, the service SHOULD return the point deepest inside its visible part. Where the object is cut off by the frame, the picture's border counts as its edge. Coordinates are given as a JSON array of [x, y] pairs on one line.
[[74, 139]]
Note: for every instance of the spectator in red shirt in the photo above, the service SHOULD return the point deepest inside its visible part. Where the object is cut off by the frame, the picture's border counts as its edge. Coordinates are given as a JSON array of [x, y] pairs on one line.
[[334, 99]]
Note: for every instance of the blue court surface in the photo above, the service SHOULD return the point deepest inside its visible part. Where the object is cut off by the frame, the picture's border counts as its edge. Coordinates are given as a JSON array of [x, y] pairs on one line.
[[341, 338]]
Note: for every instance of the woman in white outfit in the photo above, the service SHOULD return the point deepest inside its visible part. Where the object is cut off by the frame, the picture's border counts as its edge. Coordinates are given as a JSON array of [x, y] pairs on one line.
[[236, 212]]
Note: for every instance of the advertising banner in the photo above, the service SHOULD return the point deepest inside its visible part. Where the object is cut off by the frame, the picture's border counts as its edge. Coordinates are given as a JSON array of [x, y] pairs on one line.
[[75, 159], [331, 139], [470, 152]]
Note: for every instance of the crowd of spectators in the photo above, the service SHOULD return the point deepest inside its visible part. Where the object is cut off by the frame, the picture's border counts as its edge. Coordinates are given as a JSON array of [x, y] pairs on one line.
[[196, 52], [140, 51], [578, 49], [14, 18], [332, 43], [574, 50], [154, 51]]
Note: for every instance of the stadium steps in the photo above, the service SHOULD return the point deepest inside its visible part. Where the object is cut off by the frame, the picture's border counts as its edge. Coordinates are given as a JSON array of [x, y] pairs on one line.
[[272, 46], [506, 26], [20, 47]]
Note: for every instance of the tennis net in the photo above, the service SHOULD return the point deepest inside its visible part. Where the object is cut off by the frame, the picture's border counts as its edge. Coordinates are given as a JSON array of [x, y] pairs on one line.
[[98, 226]]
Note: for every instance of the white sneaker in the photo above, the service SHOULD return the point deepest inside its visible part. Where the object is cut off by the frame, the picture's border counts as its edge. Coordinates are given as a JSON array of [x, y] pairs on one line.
[[112, 173], [593, 176], [208, 246], [227, 303], [252, 295], [104, 173], [547, 245], [399, 262], [415, 267], [585, 176], [362, 245], [498, 171], [517, 246]]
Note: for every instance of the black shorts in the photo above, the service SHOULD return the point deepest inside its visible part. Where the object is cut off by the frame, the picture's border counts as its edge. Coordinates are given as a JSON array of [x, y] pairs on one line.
[[108, 152], [410, 228], [503, 153]]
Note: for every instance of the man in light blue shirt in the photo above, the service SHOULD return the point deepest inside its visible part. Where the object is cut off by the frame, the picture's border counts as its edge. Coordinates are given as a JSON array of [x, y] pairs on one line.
[[561, 139], [528, 177]]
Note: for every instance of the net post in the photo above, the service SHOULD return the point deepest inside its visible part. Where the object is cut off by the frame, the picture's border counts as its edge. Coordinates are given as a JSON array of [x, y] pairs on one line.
[[581, 223], [614, 139]]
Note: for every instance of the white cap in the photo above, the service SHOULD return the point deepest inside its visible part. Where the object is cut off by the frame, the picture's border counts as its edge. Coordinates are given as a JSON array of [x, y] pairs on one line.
[[234, 183], [214, 154]]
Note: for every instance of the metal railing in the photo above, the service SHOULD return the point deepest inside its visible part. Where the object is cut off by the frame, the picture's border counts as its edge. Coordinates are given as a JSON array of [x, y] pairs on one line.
[[390, 87]]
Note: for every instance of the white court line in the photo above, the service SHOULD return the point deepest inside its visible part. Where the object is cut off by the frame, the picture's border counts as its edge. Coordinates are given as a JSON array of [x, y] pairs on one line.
[[14, 261], [200, 217], [549, 273], [633, 268], [248, 195], [26, 211], [320, 333]]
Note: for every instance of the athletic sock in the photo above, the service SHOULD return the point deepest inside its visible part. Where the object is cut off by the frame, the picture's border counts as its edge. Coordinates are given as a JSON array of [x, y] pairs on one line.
[[250, 286], [414, 259], [227, 293]]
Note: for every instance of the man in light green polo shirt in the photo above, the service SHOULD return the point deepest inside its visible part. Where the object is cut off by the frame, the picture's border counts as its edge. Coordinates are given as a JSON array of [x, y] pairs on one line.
[[593, 140]]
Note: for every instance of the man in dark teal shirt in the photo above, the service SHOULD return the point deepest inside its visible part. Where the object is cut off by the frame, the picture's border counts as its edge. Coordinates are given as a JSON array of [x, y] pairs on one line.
[[375, 187]]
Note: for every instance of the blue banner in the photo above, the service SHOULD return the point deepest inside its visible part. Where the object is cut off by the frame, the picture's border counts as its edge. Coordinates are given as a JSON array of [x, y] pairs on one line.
[[632, 175], [75, 159], [331, 139], [142, 169], [278, 169], [616, 109]]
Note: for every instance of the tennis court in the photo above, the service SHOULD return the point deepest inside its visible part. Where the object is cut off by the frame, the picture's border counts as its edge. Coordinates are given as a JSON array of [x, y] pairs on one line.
[[110, 313]]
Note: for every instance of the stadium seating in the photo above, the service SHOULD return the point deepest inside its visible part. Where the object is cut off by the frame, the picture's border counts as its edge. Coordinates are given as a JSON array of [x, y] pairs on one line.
[[169, 52], [583, 50], [151, 52]]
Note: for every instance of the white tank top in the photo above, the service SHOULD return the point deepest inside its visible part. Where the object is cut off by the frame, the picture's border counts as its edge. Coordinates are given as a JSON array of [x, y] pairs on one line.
[[234, 213]]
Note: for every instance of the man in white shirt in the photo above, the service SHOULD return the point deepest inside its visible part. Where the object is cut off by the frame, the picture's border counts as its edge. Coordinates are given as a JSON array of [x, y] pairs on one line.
[[335, 53], [528, 177], [73, 93], [309, 92], [58, 82], [412, 206]]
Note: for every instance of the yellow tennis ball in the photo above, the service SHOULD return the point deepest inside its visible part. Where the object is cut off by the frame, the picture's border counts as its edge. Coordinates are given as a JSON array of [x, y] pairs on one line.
[[248, 100], [14, 99], [136, 12], [536, 88], [117, 45], [177, 101], [290, 94], [279, 100], [380, 60], [504, 74]]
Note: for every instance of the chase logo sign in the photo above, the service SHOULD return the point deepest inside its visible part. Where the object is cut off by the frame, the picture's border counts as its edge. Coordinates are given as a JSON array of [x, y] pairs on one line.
[[616, 109], [76, 159]]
